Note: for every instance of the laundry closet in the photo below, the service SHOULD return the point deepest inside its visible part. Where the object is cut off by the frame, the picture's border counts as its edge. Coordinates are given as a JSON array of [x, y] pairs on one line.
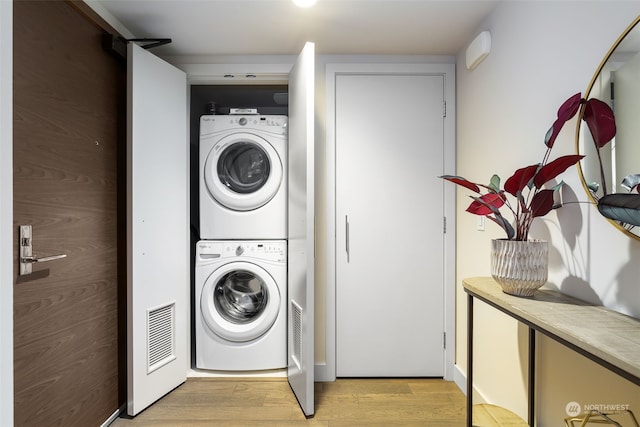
[[161, 173], [239, 140]]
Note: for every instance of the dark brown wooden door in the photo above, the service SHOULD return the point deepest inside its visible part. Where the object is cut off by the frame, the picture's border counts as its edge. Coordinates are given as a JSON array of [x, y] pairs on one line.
[[67, 93]]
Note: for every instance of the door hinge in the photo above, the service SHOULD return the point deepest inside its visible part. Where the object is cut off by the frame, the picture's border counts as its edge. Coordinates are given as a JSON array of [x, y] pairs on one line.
[[444, 108], [444, 224], [444, 340]]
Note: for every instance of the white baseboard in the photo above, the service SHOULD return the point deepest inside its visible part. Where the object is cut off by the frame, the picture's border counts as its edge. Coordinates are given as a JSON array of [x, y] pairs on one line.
[[460, 379], [323, 374], [202, 373]]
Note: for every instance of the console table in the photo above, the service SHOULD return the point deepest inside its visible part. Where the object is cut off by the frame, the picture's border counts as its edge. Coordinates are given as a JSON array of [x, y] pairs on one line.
[[604, 336]]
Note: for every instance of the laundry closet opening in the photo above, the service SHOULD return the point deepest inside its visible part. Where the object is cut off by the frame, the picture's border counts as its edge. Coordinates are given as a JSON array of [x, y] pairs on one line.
[[206, 99]]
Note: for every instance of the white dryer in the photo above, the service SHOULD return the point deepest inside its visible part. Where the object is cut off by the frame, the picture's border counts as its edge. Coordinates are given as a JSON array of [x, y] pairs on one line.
[[243, 177], [240, 305]]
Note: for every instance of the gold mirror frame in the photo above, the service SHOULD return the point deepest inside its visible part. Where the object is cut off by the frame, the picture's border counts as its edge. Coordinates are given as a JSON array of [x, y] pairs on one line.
[[580, 122]]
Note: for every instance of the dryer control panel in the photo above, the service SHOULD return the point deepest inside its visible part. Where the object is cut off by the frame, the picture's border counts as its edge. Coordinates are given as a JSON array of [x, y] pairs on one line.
[[275, 251], [267, 123]]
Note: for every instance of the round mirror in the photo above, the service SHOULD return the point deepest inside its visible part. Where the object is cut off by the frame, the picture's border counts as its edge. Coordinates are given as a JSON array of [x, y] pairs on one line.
[[611, 173]]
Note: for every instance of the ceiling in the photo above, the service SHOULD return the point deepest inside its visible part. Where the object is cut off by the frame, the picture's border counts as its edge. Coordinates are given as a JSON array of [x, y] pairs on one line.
[[277, 27]]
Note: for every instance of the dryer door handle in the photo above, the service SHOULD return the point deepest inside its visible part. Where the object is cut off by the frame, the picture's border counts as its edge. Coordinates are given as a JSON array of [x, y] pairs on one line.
[[346, 235]]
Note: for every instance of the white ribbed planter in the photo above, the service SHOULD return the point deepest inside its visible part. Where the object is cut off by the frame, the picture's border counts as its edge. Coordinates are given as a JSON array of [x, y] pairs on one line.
[[520, 267]]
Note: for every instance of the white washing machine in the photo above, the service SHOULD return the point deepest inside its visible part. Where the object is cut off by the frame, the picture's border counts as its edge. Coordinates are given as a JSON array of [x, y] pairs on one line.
[[243, 177], [240, 305]]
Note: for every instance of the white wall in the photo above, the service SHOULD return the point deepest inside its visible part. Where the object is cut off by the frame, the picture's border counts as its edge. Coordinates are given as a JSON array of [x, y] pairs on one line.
[[542, 53], [6, 213]]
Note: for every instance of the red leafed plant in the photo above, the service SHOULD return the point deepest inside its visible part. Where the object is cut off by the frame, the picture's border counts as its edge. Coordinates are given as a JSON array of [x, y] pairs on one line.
[[527, 185]]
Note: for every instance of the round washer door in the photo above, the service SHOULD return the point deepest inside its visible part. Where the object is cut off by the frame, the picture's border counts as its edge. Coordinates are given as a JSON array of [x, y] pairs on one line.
[[240, 301], [243, 172]]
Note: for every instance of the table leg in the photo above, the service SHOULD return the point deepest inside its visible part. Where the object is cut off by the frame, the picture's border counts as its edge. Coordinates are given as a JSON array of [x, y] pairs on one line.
[[469, 360], [532, 377]]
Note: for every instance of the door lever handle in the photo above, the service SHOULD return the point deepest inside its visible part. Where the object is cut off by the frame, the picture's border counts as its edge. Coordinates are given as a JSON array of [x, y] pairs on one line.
[[27, 259], [43, 259]]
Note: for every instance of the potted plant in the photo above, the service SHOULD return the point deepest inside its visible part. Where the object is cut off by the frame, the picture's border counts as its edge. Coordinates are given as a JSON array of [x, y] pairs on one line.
[[518, 263]]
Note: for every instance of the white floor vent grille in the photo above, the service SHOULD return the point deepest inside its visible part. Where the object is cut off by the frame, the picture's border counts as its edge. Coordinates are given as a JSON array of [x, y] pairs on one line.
[[296, 319], [161, 336]]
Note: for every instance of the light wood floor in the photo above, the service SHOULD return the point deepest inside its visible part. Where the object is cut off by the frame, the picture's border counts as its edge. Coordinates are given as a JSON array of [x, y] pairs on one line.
[[270, 402]]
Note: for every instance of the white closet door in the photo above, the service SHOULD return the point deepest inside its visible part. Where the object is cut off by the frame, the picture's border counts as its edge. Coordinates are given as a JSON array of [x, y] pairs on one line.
[[301, 219], [389, 219], [157, 229]]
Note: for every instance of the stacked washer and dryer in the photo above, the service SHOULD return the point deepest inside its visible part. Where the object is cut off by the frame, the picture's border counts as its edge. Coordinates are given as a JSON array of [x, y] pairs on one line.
[[241, 259]]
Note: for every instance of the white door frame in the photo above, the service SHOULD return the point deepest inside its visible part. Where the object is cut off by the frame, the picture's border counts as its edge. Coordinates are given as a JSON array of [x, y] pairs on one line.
[[6, 212], [327, 372]]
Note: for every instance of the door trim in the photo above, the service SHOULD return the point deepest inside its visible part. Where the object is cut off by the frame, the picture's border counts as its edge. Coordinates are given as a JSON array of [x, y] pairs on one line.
[[6, 212], [327, 372]]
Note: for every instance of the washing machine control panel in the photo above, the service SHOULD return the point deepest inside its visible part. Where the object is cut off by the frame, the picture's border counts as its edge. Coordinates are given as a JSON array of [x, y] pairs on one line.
[[269, 123], [268, 250]]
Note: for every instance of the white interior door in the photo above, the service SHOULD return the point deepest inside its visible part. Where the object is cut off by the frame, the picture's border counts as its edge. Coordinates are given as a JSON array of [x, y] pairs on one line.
[[389, 222], [157, 228], [301, 219]]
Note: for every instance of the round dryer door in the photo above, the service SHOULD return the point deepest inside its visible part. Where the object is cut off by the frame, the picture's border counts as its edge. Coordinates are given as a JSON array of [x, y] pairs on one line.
[[243, 172], [240, 301]]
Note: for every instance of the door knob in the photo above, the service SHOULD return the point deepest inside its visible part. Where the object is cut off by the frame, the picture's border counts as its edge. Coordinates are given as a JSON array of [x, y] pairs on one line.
[[26, 251]]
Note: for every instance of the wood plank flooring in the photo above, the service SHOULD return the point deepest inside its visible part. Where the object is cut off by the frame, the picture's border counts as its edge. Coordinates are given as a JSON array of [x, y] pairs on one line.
[[270, 402]]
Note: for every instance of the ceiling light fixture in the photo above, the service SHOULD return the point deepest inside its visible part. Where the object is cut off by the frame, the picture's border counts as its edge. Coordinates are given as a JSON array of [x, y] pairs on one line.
[[304, 3]]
